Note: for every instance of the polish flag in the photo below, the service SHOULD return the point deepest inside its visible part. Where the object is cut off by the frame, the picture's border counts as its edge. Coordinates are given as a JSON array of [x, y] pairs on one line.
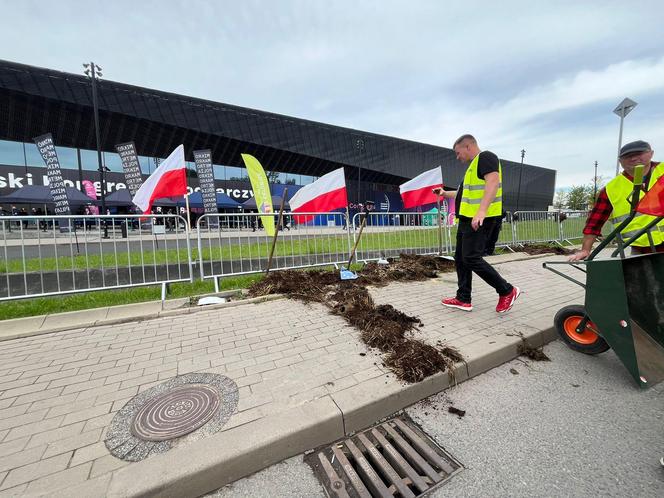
[[653, 202], [325, 194], [417, 191], [168, 180]]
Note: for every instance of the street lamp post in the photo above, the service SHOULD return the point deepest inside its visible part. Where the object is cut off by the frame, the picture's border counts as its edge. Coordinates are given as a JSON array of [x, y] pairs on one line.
[[359, 145], [93, 71], [518, 194], [595, 186], [623, 109]]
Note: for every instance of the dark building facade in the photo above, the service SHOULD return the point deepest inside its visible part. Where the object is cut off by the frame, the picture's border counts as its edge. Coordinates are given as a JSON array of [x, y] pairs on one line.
[[34, 101]]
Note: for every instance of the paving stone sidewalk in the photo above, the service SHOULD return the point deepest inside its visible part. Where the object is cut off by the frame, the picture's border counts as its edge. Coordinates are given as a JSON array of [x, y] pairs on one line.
[[60, 391]]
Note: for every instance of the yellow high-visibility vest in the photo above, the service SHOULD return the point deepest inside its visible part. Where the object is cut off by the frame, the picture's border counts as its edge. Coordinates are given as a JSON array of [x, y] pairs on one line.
[[473, 191], [619, 191]]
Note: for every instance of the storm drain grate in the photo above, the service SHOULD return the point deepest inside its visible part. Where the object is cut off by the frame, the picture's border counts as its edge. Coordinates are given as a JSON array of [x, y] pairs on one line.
[[393, 459]]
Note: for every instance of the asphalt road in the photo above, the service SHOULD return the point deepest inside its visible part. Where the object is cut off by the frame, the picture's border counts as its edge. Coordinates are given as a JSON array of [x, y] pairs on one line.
[[575, 426]]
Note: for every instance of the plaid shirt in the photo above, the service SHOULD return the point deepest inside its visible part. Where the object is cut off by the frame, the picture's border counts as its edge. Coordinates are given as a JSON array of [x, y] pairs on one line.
[[603, 208]]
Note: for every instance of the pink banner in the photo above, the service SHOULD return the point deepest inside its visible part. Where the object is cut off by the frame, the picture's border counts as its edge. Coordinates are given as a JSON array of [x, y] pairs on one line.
[[91, 192]]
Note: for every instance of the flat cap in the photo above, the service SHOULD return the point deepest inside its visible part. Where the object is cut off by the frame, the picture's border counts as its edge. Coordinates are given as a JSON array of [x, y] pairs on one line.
[[632, 147]]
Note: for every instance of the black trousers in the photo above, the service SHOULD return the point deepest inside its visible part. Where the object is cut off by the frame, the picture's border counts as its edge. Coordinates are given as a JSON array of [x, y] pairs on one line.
[[470, 245], [492, 237]]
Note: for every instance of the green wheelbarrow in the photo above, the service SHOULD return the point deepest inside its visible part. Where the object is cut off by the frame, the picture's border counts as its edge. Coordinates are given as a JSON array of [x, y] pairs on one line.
[[624, 304]]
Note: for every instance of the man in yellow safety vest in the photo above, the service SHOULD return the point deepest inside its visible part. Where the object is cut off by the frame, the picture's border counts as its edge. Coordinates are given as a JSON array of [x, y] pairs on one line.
[[479, 207], [613, 203]]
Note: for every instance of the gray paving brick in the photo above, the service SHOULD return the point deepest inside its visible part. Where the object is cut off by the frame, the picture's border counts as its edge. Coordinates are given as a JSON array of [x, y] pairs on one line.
[[98, 422], [20, 391], [21, 457], [89, 453], [72, 443], [54, 433], [22, 419], [36, 470], [60, 480], [105, 464], [89, 413]]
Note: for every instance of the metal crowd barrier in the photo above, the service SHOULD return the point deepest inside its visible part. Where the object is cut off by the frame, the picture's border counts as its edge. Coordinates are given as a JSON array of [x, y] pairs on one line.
[[236, 244], [536, 227], [51, 255], [389, 234]]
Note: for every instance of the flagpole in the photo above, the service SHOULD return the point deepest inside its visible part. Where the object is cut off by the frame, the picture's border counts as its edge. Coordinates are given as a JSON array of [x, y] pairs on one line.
[[440, 228], [186, 202], [276, 230]]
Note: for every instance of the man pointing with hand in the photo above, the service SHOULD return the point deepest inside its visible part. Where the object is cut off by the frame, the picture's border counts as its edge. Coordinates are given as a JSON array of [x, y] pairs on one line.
[[479, 207]]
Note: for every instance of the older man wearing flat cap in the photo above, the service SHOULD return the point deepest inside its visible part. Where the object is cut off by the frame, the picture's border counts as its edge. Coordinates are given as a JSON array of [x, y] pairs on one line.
[[613, 202]]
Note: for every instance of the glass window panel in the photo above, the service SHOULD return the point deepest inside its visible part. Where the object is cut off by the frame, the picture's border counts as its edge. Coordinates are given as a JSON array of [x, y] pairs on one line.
[[33, 156], [67, 157], [219, 172], [113, 162], [147, 164], [11, 153], [233, 173], [89, 160]]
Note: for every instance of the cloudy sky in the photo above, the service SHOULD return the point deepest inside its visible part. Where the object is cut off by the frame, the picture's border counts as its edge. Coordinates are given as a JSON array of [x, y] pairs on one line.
[[539, 76]]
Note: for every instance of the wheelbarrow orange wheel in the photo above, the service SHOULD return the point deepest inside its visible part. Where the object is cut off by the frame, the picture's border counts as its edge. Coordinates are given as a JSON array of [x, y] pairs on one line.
[[588, 341]]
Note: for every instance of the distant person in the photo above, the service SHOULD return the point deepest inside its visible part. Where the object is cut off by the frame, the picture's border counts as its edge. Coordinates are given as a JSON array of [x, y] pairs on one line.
[[478, 206], [613, 203], [24, 212]]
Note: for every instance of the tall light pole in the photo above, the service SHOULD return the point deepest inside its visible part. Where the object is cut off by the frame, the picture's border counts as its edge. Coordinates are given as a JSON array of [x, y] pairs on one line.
[[359, 145], [93, 71], [518, 195], [623, 109], [595, 186]]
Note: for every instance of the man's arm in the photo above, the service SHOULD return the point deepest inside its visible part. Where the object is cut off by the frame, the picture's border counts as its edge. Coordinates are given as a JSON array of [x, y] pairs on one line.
[[490, 189], [586, 247], [447, 194], [593, 229]]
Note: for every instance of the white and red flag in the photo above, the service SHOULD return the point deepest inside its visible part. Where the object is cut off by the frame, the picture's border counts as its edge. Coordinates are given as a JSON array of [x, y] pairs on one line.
[[168, 180], [418, 191], [325, 194]]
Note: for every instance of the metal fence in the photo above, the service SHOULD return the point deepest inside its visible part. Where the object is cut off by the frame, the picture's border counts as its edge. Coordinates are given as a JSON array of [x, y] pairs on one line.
[[389, 234], [50, 255], [236, 244]]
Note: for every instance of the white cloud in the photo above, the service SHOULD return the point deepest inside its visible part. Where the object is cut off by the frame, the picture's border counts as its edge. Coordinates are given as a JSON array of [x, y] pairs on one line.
[[533, 75]]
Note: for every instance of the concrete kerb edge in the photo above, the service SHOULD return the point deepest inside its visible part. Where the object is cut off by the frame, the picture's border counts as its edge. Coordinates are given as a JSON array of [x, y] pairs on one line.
[[227, 456], [140, 318]]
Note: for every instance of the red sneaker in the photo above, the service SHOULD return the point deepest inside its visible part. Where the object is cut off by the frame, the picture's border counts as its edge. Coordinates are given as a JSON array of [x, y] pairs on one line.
[[453, 302], [505, 303]]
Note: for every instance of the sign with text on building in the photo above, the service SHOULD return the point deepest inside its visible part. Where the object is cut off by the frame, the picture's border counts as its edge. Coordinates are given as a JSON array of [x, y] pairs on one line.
[[130, 166], [56, 182], [203, 160]]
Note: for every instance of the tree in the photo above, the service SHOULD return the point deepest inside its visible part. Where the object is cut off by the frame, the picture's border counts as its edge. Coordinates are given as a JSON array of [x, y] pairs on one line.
[[272, 176], [559, 200], [578, 197]]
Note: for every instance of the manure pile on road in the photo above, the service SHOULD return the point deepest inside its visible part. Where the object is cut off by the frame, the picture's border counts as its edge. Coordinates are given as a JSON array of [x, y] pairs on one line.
[[382, 327], [534, 249]]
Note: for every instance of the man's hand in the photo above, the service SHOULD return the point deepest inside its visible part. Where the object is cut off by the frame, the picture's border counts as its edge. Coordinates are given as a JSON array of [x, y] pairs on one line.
[[478, 220], [438, 191], [579, 255]]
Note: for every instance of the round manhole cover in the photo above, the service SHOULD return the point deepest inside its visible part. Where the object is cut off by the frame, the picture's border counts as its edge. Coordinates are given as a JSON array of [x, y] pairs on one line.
[[176, 412]]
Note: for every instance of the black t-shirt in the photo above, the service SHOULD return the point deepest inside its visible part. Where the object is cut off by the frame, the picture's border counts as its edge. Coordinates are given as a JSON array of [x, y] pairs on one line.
[[487, 163]]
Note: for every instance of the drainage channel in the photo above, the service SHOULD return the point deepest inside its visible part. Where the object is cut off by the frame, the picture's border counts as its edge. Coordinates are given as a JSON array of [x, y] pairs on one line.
[[394, 459]]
